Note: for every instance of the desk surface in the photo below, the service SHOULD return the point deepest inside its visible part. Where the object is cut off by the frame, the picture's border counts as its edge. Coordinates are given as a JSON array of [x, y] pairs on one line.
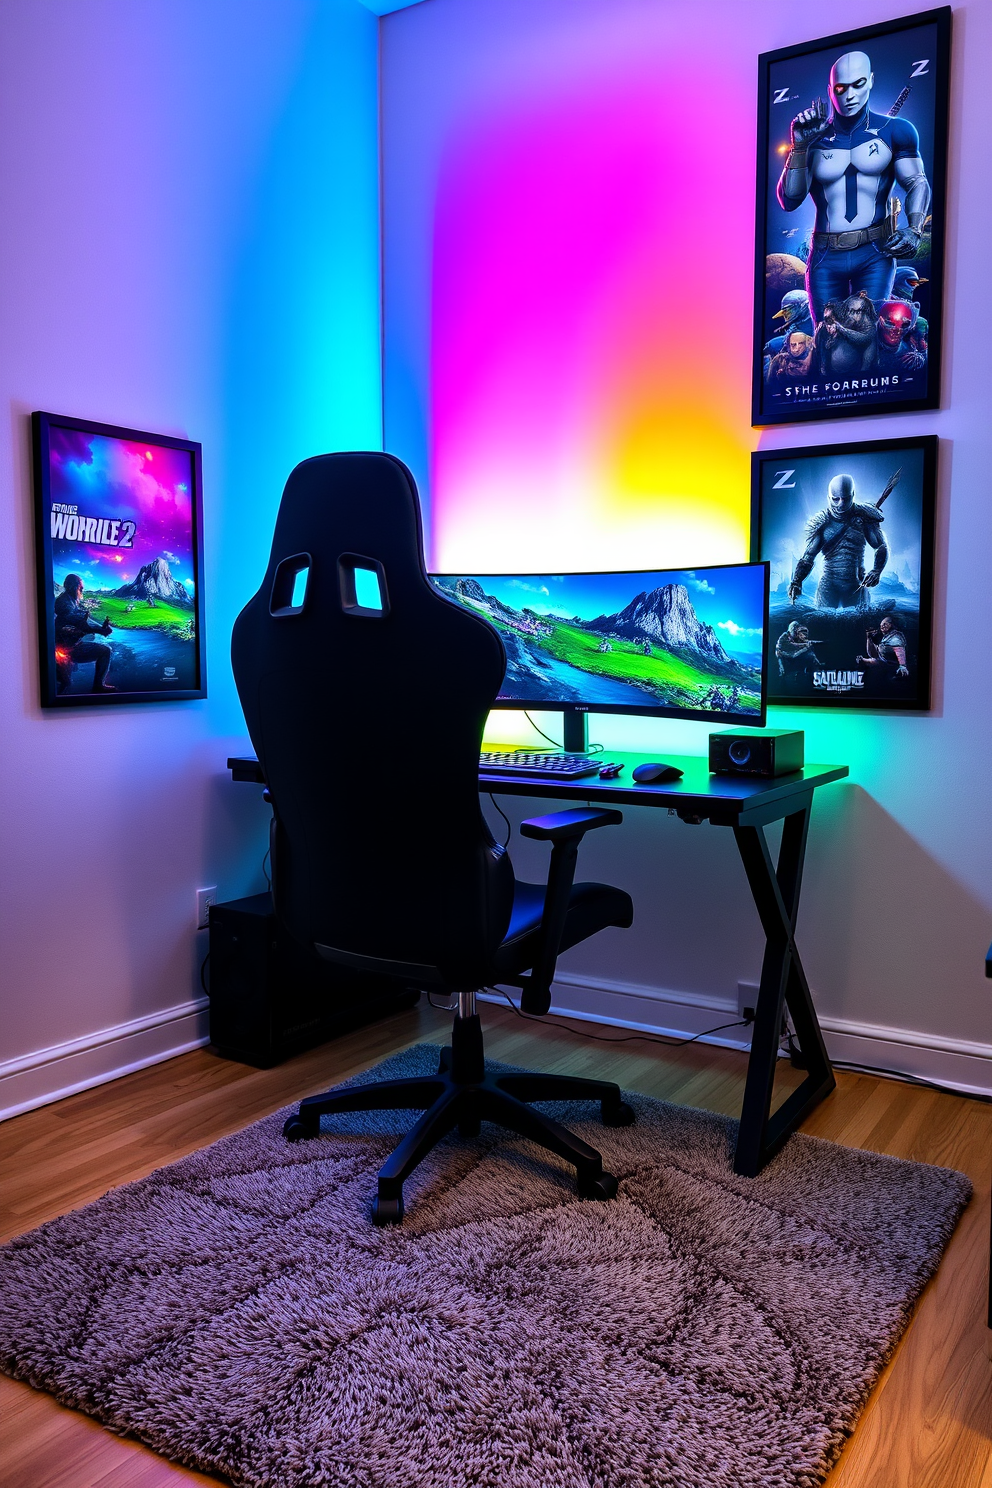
[[725, 799]]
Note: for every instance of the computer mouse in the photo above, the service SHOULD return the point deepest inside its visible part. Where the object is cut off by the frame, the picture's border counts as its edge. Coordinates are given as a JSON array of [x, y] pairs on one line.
[[655, 771]]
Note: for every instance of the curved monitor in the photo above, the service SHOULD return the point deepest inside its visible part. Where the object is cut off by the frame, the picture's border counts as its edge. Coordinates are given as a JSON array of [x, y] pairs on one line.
[[665, 643]]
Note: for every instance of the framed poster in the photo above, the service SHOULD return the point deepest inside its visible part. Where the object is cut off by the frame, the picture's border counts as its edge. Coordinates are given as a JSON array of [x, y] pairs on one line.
[[849, 250], [120, 564], [848, 531]]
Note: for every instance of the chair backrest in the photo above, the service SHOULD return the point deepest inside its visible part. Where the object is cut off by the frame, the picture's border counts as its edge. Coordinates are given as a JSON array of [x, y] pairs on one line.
[[366, 710]]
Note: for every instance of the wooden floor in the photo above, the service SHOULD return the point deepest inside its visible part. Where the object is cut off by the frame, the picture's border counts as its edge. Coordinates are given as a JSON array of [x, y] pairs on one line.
[[927, 1425]]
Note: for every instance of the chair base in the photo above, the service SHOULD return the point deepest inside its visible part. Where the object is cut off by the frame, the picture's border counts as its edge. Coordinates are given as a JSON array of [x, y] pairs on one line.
[[462, 1094]]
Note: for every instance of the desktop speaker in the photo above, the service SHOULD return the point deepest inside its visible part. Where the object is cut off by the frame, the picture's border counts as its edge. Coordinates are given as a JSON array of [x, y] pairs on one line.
[[774, 752], [271, 997]]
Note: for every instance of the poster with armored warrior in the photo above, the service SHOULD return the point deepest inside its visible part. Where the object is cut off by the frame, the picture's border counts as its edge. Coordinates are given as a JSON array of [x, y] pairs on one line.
[[852, 147], [848, 532]]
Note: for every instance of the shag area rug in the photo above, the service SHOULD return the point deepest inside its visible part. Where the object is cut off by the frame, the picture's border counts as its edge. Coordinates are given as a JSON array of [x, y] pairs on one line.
[[239, 1313]]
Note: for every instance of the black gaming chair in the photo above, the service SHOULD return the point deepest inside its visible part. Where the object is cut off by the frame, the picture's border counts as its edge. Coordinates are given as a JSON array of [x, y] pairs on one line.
[[366, 694]]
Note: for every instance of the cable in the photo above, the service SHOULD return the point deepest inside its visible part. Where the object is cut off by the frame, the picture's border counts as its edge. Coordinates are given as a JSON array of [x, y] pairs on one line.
[[796, 1058], [869, 1069], [509, 829], [538, 731], [203, 967], [652, 1038], [519, 748], [631, 1038]]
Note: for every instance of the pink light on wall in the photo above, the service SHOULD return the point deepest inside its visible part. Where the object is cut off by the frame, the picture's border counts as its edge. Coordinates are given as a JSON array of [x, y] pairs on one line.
[[590, 320]]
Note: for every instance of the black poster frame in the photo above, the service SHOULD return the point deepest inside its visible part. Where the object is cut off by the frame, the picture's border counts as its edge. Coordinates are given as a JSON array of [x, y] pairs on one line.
[[762, 416], [41, 426], [927, 444]]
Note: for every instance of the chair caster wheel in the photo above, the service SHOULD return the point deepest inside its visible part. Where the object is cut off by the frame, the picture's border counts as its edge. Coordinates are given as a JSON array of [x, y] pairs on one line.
[[296, 1129], [621, 1115], [603, 1186], [387, 1211]]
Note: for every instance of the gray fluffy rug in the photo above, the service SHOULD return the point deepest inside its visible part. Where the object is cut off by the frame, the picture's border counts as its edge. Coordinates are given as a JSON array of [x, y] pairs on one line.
[[238, 1312]]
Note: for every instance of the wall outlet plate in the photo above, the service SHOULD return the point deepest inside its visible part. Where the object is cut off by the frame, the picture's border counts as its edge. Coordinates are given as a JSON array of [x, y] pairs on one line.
[[204, 899], [747, 997]]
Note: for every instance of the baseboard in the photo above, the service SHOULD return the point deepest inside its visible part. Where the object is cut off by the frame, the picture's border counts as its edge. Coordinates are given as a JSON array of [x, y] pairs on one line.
[[642, 1009], [63, 1069], [958, 1063]]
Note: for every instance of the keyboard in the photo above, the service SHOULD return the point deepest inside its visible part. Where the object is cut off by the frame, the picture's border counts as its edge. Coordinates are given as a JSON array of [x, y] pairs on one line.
[[537, 766]]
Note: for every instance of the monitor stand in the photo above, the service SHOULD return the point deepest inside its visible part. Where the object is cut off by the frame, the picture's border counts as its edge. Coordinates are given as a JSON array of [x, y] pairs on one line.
[[575, 738]]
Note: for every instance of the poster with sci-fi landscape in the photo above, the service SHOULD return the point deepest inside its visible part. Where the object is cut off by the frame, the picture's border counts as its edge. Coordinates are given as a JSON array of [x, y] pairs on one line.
[[848, 533], [686, 642], [852, 149], [119, 564]]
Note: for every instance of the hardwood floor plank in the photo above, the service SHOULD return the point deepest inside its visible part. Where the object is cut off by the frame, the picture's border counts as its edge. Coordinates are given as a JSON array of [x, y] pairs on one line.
[[44, 1445]]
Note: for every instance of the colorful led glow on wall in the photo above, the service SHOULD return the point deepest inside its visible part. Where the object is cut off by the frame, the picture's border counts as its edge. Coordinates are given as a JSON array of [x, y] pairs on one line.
[[589, 365]]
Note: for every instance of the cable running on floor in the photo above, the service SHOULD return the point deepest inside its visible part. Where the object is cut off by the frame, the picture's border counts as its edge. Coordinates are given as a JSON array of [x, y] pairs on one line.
[[631, 1038]]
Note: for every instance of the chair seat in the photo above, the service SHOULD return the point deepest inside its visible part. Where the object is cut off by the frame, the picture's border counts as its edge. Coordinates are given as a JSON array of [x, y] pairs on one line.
[[592, 906]]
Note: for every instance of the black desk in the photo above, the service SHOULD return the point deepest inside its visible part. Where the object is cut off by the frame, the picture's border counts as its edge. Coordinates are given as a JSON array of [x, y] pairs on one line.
[[746, 804]]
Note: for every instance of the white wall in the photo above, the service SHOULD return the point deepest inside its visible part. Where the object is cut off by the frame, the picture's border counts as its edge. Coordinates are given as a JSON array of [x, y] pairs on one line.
[[897, 908], [189, 245]]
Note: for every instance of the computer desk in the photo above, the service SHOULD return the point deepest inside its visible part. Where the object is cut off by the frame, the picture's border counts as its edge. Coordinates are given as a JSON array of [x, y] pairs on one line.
[[747, 804]]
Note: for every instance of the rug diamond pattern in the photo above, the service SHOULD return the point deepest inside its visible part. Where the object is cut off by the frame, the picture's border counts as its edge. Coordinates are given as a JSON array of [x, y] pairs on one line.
[[239, 1313]]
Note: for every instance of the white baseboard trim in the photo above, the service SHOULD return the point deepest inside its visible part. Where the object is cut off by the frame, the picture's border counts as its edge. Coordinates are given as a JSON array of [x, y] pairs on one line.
[[63, 1069], [48, 1075], [958, 1063], [641, 1009]]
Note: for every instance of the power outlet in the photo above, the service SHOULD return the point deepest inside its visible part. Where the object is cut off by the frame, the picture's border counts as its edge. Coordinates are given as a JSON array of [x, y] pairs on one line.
[[747, 1002], [204, 899], [747, 998]]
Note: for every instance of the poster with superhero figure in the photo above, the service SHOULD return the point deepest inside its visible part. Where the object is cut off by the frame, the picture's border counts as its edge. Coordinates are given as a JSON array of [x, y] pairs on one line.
[[852, 147], [119, 564], [848, 532]]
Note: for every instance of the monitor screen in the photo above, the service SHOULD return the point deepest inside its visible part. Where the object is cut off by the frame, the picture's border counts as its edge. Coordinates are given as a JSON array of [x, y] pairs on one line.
[[670, 643]]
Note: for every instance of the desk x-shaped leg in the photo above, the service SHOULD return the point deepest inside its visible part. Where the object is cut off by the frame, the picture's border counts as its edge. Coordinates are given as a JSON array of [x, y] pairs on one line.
[[783, 984]]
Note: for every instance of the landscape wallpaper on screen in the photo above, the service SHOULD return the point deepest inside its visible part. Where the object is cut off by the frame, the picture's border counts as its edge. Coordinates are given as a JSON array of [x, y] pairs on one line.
[[123, 565], [683, 639]]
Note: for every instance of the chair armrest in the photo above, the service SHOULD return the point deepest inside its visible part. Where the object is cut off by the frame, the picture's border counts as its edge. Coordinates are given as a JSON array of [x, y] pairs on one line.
[[564, 830], [559, 826]]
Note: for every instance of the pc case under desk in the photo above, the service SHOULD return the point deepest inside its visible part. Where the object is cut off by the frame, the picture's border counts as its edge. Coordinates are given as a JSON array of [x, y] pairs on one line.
[[271, 997]]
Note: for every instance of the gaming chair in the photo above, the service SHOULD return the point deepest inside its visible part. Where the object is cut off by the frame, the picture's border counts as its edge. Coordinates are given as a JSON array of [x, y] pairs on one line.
[[366, 693]]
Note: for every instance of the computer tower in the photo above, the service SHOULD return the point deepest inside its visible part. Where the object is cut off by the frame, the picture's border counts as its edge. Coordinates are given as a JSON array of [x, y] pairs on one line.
[[271, 997]]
